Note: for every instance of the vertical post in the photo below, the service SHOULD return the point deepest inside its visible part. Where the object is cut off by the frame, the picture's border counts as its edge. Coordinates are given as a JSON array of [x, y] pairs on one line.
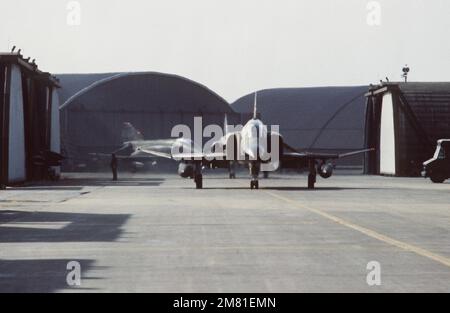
[[368, 133], [2, 101], [398, 134], [27, 123], [31, 111], [4, 127], [48, 127]]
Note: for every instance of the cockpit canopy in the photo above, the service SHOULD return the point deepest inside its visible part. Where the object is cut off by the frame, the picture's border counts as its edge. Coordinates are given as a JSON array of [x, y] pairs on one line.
[[255, 128]]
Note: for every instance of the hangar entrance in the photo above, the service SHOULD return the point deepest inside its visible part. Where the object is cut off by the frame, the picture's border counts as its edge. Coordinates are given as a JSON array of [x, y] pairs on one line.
[[404, 122], [29, 120]]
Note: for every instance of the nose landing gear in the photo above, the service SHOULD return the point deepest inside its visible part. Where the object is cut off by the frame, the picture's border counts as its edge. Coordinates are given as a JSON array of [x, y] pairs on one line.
[[254, 172], [254, 184]]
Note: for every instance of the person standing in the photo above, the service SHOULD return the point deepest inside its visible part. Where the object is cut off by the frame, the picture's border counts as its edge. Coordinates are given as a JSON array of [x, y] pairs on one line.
[[114, 166]]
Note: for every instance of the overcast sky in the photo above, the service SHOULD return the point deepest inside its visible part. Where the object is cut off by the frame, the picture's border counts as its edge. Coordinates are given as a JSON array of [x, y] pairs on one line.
[[236, 46]]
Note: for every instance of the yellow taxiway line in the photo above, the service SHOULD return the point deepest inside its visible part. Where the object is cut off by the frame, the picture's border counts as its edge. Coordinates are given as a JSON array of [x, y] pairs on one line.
[[368, 232]]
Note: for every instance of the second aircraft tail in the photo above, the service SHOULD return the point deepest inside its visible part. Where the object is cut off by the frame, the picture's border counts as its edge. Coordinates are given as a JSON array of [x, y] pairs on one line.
[[130, 133]]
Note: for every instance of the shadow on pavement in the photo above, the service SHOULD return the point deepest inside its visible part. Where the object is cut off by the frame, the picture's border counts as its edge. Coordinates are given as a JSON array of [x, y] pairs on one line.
[[39, 276], [76, 183], [286, 188], [317, 188], [17, 226], [53, 188]]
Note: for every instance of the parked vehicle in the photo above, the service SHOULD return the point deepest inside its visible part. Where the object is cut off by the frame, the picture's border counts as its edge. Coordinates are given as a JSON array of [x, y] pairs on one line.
[[438, 167]]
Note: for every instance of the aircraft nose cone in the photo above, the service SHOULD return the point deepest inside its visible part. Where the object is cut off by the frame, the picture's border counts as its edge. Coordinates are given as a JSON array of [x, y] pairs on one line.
[[254, 149]]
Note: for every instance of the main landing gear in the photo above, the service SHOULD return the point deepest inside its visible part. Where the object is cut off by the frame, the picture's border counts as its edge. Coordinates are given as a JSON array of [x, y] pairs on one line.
[[254, 172], [232, 170], [312, 177]]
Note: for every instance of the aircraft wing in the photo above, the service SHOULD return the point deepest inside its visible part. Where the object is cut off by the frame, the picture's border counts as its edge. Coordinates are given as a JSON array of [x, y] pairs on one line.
[[134, 156], [200, 156], [156, 153], [186, 156], [147, 149], [108, 156], [321, 156]]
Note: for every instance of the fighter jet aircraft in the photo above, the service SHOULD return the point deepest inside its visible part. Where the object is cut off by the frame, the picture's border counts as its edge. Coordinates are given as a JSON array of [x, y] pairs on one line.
[[253, 146], [132, 144]]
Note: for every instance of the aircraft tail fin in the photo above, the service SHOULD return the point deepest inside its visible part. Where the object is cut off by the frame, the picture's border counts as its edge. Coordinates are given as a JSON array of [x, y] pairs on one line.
[[225, 124], [130, 133], [255, 106]]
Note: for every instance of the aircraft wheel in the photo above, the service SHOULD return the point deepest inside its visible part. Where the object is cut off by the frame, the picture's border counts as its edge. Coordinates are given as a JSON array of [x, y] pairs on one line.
[[311, 181], [437, 179], [232, 176], [254, 184], [199, 181]]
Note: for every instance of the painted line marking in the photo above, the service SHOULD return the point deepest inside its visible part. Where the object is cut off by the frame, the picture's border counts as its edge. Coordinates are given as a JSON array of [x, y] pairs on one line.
[[368, 232]]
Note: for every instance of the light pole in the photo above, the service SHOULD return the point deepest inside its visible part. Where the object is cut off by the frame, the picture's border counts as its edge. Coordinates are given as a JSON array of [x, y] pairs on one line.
[[406, 70]]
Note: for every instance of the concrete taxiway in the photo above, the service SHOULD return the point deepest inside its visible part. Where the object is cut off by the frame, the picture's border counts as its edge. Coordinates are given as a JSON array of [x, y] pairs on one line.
[[157, 233]]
